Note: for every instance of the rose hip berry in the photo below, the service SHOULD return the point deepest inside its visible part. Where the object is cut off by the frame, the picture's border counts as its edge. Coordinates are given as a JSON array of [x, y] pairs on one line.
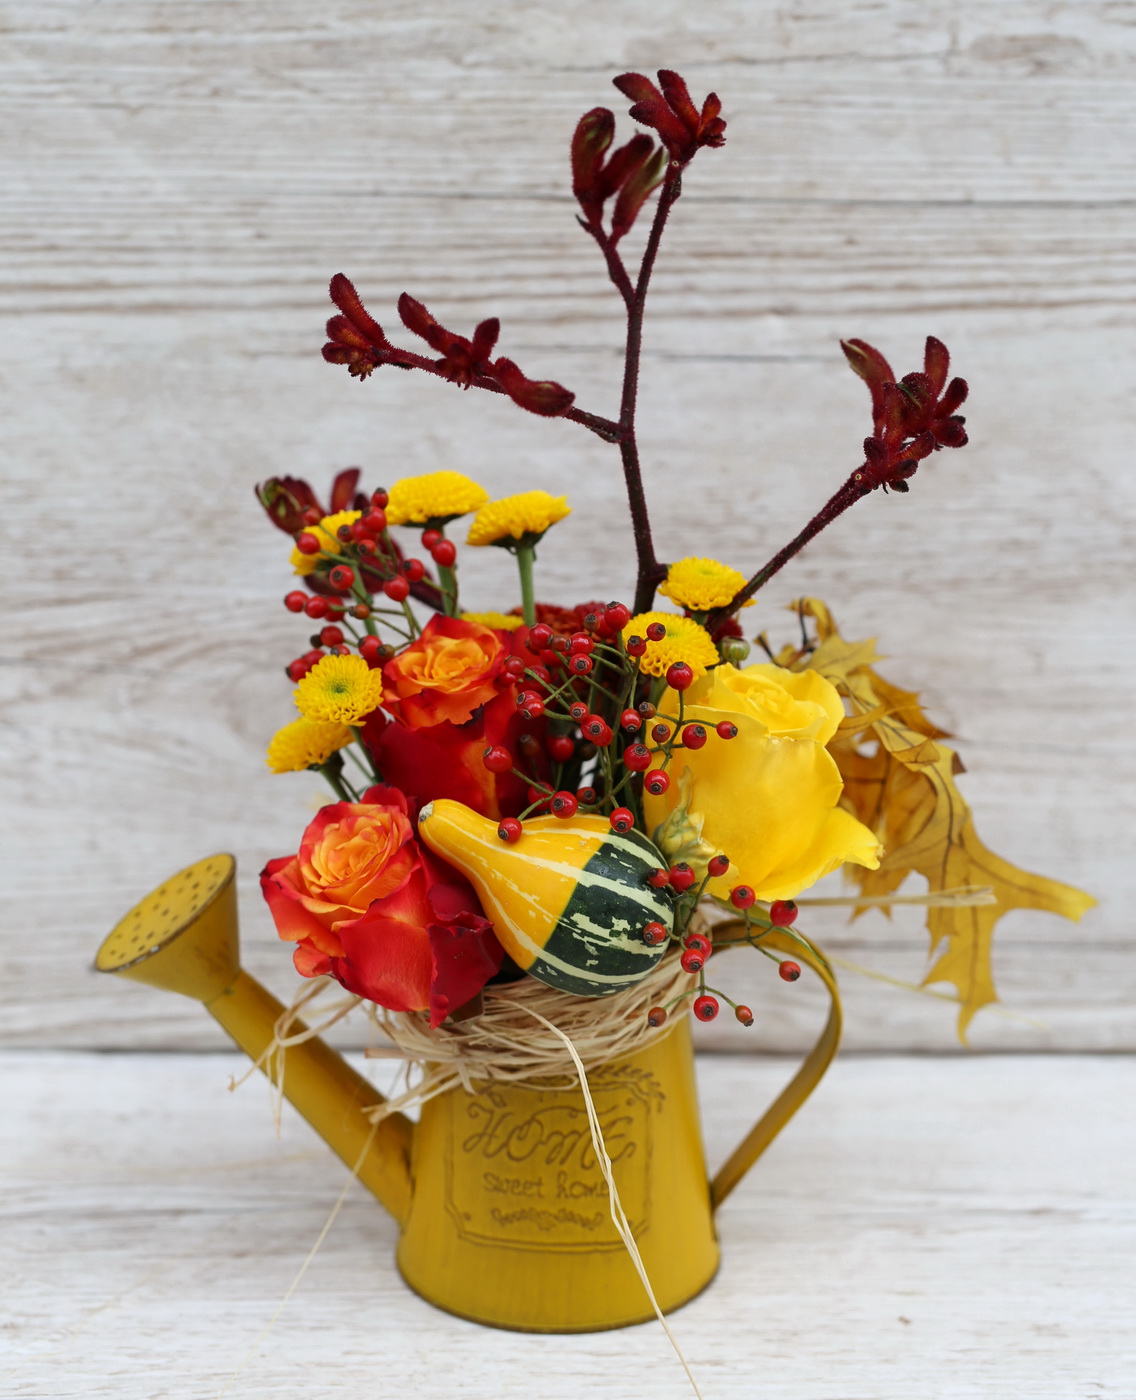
[[637, 757], [694, 736], [617, 616], [656, 782], [510, 829], [693, 960], [430, 537], [316, 606], [578, 710], [635, 646], [699, 941], [741, 896], [331, 636], [654, 934], [414, 569], [744, 1015], [680, 676], [561, 747], [444, 553], [497, 759], [656, 1016], [371, 650], [540, 634], [295, 600], [630, 721], [718, 865], [580, 665], [725, 730], [622, 820], [782, 912], [597, 730], [681, 877], [308, 544], [564, 804], [789, 971], [656, 632], [659, 878], [397, 589], [586, 796], [705, 1007]]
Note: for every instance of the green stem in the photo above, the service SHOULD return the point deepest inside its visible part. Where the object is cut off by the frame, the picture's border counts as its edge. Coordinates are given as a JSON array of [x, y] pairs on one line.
[[525, 555], [337, 782], [448, 583]]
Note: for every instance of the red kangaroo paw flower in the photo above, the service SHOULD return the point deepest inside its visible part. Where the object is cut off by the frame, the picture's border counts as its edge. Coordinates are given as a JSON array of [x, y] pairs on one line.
[[672, 113], [354, 339], [912, 418]]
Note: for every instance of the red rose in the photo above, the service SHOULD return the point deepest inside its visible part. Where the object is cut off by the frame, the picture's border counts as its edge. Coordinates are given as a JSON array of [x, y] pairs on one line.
[[445, 760], [390, 921], [451, 670]]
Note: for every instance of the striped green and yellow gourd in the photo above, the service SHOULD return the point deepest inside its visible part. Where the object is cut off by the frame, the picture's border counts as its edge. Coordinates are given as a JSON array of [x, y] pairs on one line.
[[569, 900]]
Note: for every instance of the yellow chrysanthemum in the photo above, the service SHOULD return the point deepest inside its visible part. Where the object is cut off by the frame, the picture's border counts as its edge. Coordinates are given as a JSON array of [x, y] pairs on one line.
[[702, 584], [305, 564], [434, 496], [686, 640], [514, 517], [342, 688], [306, 743], [500, 622]]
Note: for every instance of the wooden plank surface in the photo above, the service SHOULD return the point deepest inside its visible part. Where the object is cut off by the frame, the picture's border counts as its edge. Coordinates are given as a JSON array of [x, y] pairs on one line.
[[927, 1229], [180, 182]]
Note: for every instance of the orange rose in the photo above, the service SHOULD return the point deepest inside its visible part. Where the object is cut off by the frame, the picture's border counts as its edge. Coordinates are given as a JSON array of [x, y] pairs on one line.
[[453, 668], [365, 904]]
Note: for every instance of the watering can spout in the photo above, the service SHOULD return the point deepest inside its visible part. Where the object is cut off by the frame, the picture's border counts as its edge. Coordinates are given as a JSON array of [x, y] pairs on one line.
[[183, 938]]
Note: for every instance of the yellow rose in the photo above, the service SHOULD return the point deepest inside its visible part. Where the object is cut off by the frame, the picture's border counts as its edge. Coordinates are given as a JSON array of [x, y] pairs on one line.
[[767, 798]]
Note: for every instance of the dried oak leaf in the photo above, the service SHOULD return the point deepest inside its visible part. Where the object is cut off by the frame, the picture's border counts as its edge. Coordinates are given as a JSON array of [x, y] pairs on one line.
[[905, 792]]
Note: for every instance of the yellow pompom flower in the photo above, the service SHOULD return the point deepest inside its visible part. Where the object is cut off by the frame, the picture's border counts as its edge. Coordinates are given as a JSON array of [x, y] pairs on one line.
[[768, 797], [528, 514], [341, 688], [306, 743], [433, 498], [686, 640], [305, 564], [702, 584], [500, 622]]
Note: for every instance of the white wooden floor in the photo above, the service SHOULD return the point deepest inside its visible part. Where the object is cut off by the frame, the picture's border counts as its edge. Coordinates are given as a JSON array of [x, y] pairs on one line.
[[928, 1229]]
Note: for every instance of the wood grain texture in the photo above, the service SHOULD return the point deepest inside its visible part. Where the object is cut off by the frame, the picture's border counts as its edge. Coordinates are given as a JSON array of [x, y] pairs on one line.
[[180, 182], [924, 1229]]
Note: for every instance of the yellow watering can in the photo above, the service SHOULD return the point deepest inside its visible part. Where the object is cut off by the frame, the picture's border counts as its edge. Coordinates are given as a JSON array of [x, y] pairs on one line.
[[502, 1205]]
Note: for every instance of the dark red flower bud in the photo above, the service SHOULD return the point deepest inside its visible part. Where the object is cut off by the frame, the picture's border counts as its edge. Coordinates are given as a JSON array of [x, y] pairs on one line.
[[593, 135], [646, 177], [542, 396]]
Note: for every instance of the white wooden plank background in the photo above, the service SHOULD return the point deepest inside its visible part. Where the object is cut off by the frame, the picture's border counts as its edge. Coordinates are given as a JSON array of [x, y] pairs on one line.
[[181, 179], [961, 1233]]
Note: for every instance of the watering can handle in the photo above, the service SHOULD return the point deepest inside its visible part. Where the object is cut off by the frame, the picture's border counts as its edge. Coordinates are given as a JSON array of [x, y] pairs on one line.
[[803, 1082]]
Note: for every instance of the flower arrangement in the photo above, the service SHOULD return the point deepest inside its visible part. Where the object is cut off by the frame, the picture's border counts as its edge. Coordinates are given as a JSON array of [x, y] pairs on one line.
[[554, 790]]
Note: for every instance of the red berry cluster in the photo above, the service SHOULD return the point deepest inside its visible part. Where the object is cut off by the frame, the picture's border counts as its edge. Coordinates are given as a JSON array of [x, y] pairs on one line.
[[698, 947], [585, 682], [344, 585]]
